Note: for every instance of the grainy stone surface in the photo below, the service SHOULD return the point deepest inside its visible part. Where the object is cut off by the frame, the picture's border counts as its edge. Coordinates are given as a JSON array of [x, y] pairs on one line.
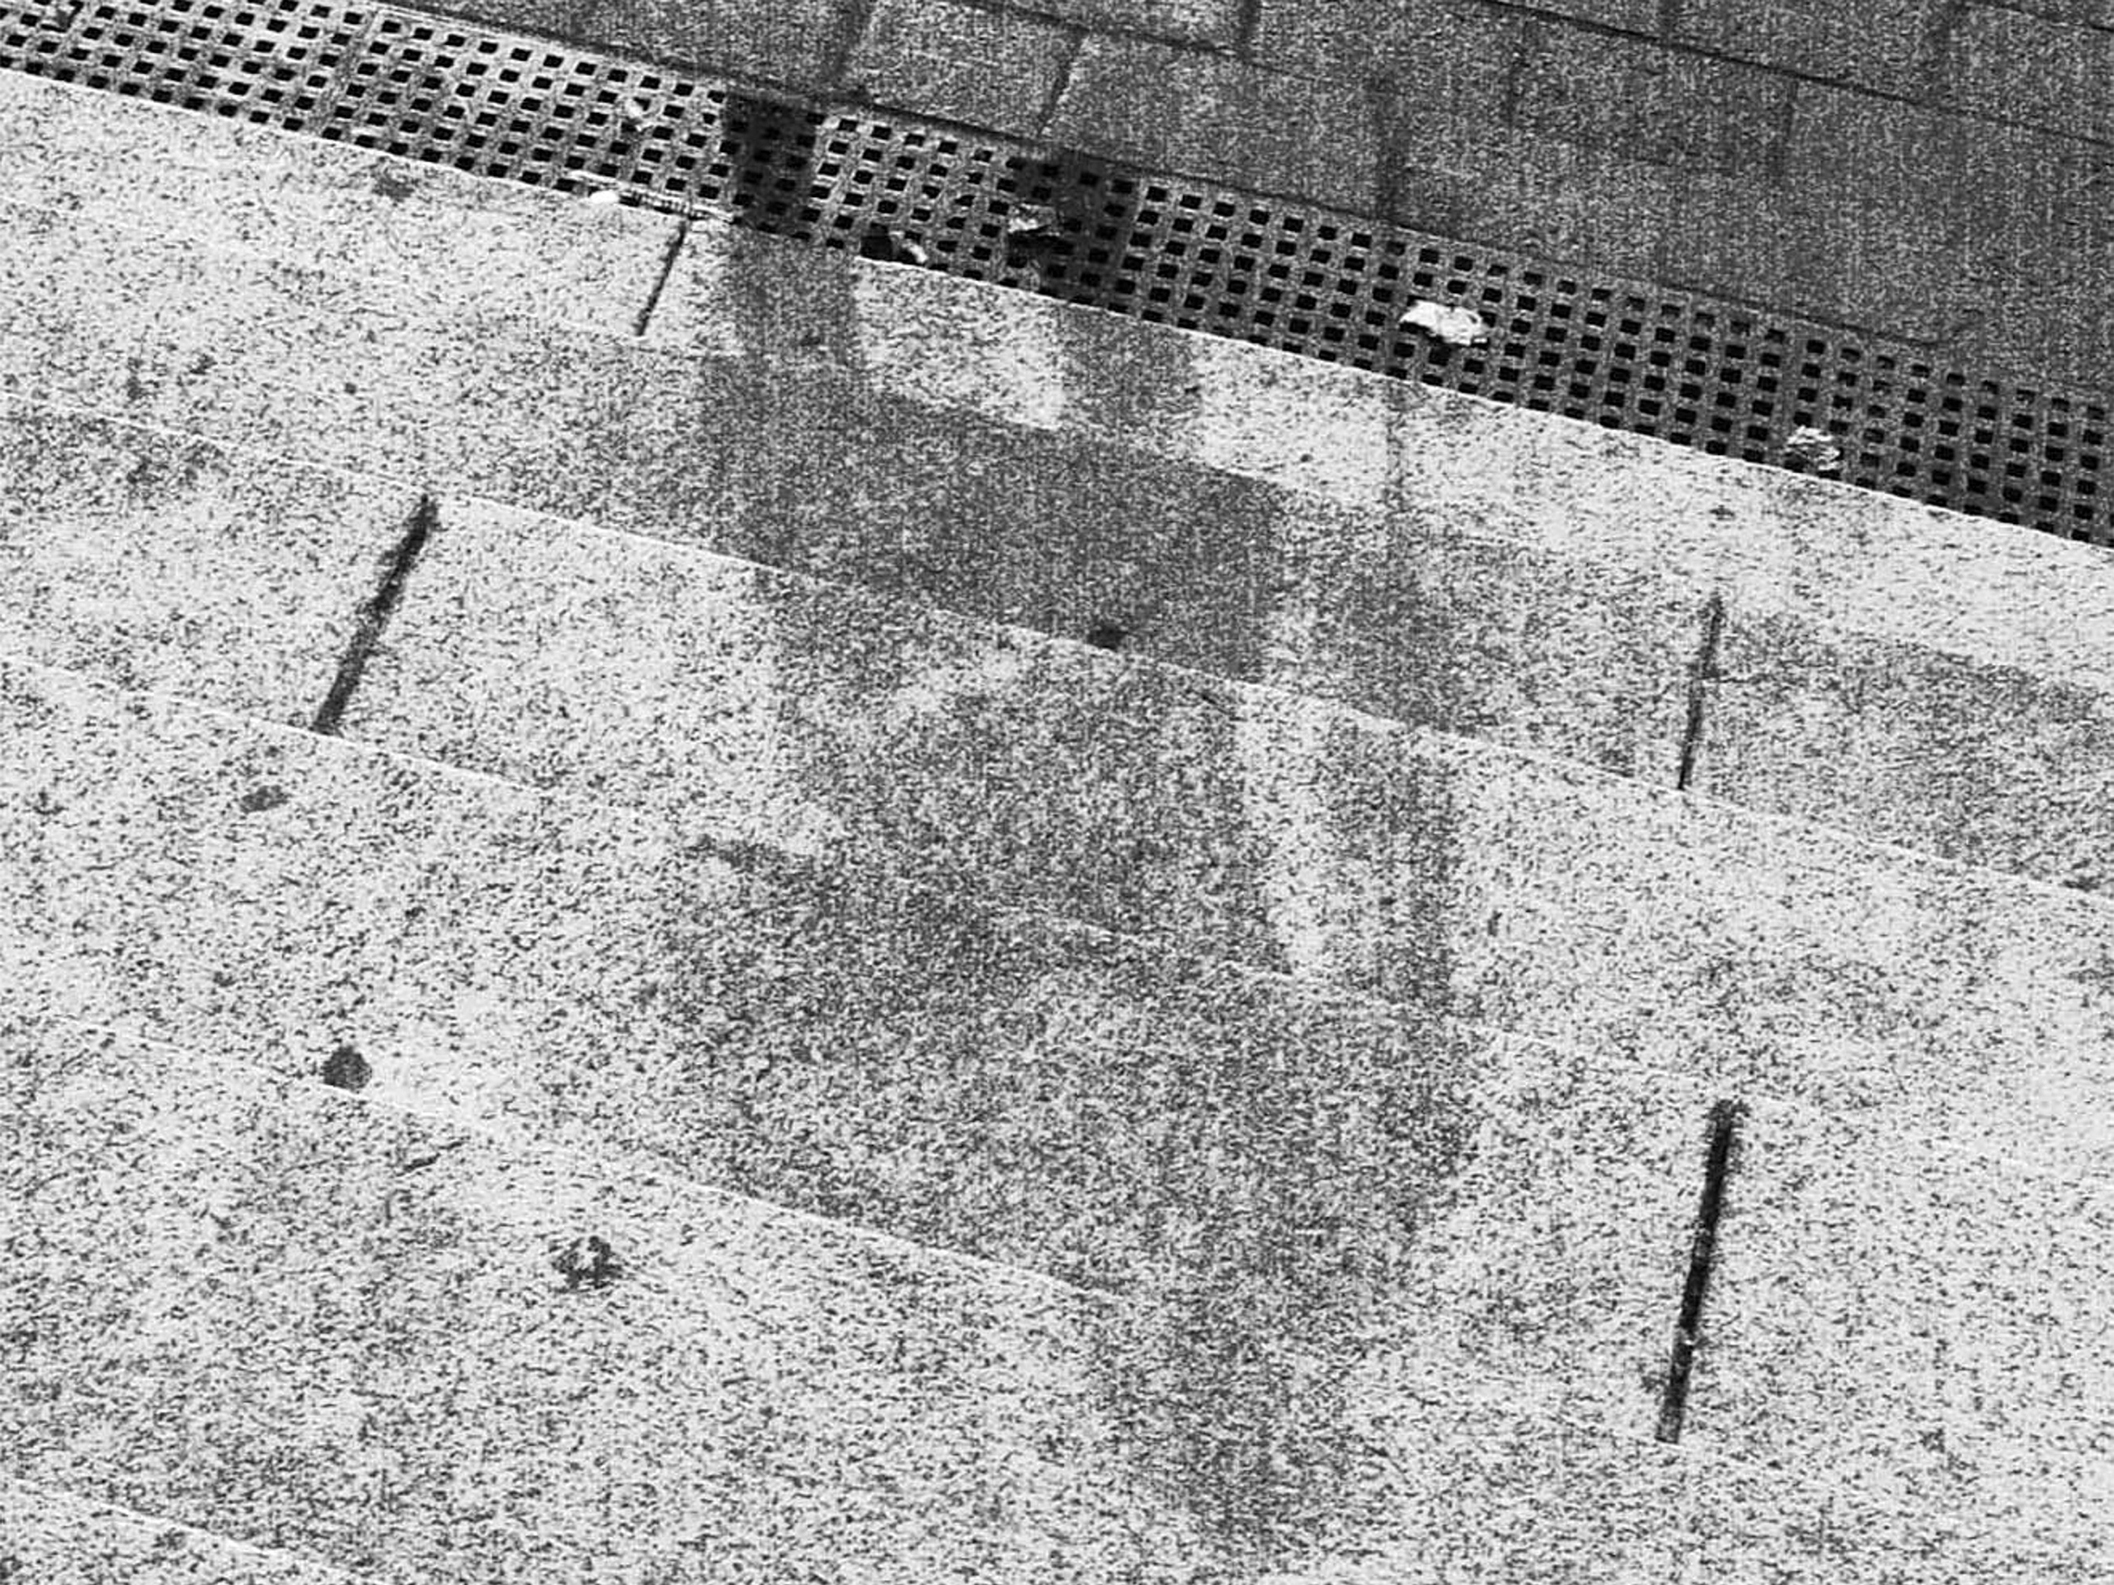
[[458, 242], [1893, 45], [1215, 22], [1939, 1306], [794, 43], [52, 1537], [1638, 99], [146, 559], [1419, 41], [1182, 110], [960, 63], [804, 464], [1259, 1169], [889, 428], [1984, 763], [997, 762], [272, 1310], [2022, 67]]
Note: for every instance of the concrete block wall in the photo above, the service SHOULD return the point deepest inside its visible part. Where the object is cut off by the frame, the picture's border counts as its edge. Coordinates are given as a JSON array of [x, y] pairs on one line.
[[1936, 171]]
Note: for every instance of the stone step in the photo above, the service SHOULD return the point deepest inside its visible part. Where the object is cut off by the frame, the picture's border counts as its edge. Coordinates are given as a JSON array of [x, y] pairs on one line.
[[279, 1313], [271, 1309], [1268, 1164], [56, 1538], [1291, 1182], [1273, 518]]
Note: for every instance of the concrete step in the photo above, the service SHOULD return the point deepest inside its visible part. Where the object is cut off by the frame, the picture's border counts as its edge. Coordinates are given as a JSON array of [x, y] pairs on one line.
[[57, 1538], [1306, 1183], [1469, 880], [1269, 1164], [284, 1314], [1916, 676], [274, 1313]]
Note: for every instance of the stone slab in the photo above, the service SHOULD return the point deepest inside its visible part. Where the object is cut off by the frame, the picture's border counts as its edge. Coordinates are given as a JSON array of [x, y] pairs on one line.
[[1024, 770], [1643, 101], [731, 1342], [274, 1311], [965, 410], [1985, 764], [1249, 1162], [958, 62], [142, 558], [801, 463], [56, 1538], [1438, 45], [790, 43], [2013, 65], [1201, 113], [1891, 45], [456, 241], [1943, 1310]]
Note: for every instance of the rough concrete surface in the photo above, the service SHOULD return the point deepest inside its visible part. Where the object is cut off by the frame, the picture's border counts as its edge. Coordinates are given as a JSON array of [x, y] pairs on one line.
[[887, 488], [142, 558], [1551, 1233], [1111, 1112], [271, 1310], [960, 62], [1173, 109], [53, 1537], [461, 241]]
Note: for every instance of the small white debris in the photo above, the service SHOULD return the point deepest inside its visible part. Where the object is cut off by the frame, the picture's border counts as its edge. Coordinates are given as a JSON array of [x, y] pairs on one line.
[[1459, 327], [637, 110], [1815, 448], [601, 197], [1031, 220], [913, 252]]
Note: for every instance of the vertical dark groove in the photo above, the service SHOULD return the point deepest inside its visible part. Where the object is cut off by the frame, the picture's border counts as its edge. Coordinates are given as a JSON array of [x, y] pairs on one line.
[[1673, 1406], [660, 281], [1700, 676], [1061, 82], [424, 519]]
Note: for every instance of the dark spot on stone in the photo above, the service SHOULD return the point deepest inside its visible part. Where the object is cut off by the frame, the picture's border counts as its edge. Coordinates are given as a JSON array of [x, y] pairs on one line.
[[259, 799], [346, 1069], [587, 1262], [1106, 635], [43, 805], [201, 364], [135, 388], [351, 389], [394, 185], [1725, 512]]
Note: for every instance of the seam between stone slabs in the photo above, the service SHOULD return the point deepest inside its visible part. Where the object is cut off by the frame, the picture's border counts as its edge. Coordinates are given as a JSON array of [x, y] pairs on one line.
[[611, 1164], [15, 1485], [1391, 724], [620, 1166], [1946, 106], [1364, 1003]]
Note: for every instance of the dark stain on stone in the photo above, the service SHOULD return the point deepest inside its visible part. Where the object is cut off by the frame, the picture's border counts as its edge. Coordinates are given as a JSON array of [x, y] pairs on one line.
[[259, 799], [202, 364], [43, 805], [1106, 635], [346, 1069], [587, 1263], [135, 387], [393, 185]]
